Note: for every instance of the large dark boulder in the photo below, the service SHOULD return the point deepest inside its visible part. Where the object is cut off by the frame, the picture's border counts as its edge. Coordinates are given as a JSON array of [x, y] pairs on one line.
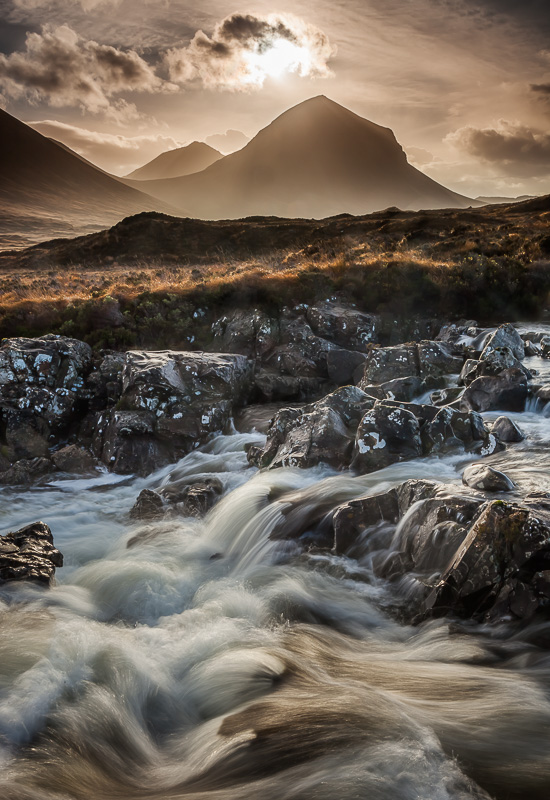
[[344, 325], [385, 435], [425, 359], [171, 402], [486, 479], [25, 472], [320, 432], [29, 555], [506, 430], [504, 336], [507, 391], [41, 383], [501, 570]]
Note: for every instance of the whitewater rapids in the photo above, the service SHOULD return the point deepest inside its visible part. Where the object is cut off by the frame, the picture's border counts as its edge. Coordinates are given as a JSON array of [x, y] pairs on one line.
[[204, 659]]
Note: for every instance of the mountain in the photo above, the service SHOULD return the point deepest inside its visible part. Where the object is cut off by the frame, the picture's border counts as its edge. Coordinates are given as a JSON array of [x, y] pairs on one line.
[[316, 160], [175, 163], [491, 201], [48, 191]]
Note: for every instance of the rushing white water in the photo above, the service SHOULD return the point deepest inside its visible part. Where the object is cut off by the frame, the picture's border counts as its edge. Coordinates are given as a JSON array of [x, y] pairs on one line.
[[207, 659]]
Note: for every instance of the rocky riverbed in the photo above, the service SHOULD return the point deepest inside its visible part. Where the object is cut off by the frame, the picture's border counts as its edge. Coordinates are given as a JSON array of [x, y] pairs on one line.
[[311, 561]]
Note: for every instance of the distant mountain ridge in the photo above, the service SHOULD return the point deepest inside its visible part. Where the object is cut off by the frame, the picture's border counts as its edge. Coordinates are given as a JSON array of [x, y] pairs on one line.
[[47, 190], [175, 163], [316, 160]]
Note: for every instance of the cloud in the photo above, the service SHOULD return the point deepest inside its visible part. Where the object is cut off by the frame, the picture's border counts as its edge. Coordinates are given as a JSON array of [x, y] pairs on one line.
[[543, 88], [227, 142], [113, 152], [62, 68], [244, 50], [511, 145]]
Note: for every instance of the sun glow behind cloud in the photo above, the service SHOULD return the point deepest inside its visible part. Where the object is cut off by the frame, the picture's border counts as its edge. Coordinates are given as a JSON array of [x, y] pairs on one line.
[[276, 59]]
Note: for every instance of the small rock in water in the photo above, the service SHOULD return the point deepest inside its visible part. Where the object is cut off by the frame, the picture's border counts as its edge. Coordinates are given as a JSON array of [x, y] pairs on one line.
[[76, 460], [148, 506], [25, 471], [29, 555], [506, 430], [485, 478]]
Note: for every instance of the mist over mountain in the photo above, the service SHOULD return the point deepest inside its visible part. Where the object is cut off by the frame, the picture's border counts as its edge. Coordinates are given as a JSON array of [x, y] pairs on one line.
[[315, 160]]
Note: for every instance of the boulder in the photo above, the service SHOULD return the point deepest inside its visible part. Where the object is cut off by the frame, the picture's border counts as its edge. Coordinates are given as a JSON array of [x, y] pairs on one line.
[[250, 333], [104, 383], [343, 366], [545, 347], [29, 555], [505, 336], [148, 506], [343, 325], [402, 389], [493, 361], [486, 479], [450, 429], [192, 499], [426, 359], [320, 432], [270, 386], [499, 571], [41, 385], [75, 460], [506, 430], [442, 397], [385, 435], [507, 391], [25, 471], [171, 402]]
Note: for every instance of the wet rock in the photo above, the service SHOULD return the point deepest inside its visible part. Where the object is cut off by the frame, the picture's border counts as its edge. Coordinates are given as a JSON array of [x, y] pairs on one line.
[[250, 333], [506, 430], [271, 386], [498, 571], [343, 325], [75, 460], [545, 347], [148, 506], [104, 383], [442, 397], [193, 499], [344, 365], [26, 435], [486, 479], [26, 471], [171, 402], [450, 429], [385, 435], [126, 442], [493, 361], [402, 389], [531, 348], [507, 391], [320, 432], [425, 359], [29, 555], [505, 336], [351, 520]]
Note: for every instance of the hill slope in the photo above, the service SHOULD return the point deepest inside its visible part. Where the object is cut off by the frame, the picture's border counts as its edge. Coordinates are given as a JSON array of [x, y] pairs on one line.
[[175, 163], [316, 160], [47, 191]]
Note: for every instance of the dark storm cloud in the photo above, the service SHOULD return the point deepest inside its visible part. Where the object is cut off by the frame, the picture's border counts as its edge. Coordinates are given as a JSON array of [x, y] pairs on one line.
[[59, 66], [528, 13], [541, 88], [229, 57], [515, 147]]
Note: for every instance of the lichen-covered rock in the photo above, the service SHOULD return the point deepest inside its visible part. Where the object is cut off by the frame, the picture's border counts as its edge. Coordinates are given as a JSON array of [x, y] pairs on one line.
[[343, 325], [250, 333], [171, 402], [451, 428], [104, 383], [506, 430], [41, 382], [402, 389], [426, 359], [29, 555], [75, 460], [345, 366], [320, 432], [385, 435], [507, 391], [493, 361], [486, 479]]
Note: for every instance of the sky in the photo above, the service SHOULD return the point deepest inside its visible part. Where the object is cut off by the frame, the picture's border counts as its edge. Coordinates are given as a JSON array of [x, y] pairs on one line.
[[464, 84]]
